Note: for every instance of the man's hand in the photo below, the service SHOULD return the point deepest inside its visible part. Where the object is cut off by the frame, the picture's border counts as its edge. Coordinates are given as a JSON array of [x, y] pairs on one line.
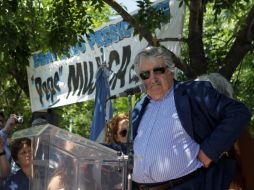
[[202, 157]]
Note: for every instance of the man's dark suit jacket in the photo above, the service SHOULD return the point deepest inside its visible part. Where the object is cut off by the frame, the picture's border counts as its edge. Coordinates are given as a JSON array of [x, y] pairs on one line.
[[211, 119]]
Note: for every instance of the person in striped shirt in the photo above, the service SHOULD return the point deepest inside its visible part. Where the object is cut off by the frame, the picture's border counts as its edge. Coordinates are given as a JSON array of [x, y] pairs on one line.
[[182, 130]]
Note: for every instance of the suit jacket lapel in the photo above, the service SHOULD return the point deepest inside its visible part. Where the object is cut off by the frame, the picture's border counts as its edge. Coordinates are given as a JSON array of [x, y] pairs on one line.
[[138, 113], [183, 108]]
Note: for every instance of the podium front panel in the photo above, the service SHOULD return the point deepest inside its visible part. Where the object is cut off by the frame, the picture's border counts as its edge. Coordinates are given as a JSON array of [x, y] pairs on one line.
[[62, 160]]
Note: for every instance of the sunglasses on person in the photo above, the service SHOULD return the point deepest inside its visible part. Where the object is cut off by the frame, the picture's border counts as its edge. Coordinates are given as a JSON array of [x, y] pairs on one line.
[[123, 132], [157, 71]]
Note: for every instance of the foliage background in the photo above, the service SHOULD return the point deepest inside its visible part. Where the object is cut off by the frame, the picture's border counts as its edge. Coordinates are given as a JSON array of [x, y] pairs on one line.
[[27, 26]]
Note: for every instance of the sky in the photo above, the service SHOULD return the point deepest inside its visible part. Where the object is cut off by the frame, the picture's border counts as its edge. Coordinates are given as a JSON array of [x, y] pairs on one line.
[[130, 4]]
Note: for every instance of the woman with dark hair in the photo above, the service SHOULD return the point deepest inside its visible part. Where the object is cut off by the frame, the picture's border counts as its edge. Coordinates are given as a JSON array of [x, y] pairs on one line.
[[21, 154]]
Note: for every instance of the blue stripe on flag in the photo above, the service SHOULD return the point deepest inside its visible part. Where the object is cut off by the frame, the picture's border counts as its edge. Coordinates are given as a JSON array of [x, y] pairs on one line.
[[102, 107]]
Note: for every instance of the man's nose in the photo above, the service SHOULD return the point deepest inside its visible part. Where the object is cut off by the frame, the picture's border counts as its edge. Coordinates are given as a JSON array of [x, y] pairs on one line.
[[153, 76]]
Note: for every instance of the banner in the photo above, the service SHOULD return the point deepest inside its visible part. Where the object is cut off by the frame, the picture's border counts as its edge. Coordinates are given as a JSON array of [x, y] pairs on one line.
[[57, 82]]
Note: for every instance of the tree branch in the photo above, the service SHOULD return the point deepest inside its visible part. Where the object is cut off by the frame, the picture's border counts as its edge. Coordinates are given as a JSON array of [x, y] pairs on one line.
[[241, 46], [21, 81], [172, 40], [137, 26], [148, 36], [195, 43]]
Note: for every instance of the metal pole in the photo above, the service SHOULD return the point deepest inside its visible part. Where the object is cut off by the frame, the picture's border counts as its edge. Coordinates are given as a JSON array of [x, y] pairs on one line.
[[130, 162]]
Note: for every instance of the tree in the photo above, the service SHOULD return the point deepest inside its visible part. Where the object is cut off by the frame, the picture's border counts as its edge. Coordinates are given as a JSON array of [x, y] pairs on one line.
[[241, 40], [27, 26], [218, 35]]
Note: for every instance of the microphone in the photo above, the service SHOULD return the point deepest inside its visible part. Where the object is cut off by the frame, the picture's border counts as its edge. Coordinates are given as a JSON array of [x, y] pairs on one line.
[[130, 91]]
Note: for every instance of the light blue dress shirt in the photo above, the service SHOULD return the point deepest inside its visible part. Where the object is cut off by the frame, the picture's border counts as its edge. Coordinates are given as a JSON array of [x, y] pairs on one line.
[[162, 148]]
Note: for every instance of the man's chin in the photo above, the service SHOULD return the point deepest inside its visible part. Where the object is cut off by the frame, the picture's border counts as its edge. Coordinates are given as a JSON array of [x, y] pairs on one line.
[[156, 96]]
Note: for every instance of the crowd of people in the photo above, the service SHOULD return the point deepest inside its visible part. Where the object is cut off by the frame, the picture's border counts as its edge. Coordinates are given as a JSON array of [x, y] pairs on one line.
[[186, 134]]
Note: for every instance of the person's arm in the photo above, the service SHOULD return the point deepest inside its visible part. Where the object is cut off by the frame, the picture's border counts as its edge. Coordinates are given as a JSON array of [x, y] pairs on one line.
[[55, 183], [231, 117], [10, 124], [5, 166]]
